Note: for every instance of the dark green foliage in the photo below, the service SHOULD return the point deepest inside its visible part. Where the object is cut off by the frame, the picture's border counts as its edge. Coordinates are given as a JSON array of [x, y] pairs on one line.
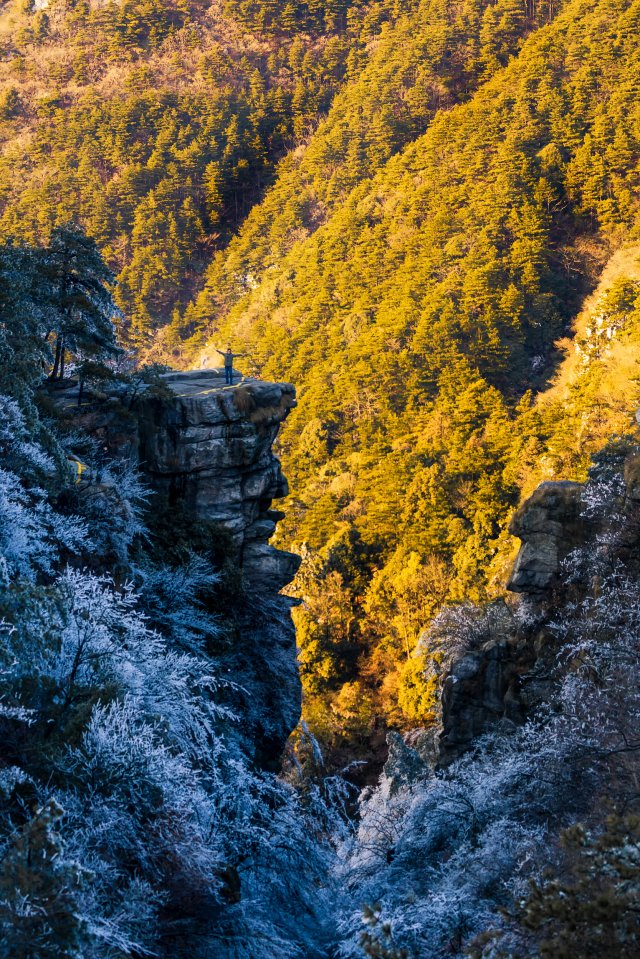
[[76, 296], [24, 350], [38, 887], [9, 104], [377, 939], [289, 17], [592, 908], [57, 295]]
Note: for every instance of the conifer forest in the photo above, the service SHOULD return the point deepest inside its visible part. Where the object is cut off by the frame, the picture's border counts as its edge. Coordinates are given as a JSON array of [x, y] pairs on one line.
[[319, 479]]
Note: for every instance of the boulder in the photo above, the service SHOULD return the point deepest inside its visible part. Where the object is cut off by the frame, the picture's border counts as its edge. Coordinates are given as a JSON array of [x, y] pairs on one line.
[[550, 524]]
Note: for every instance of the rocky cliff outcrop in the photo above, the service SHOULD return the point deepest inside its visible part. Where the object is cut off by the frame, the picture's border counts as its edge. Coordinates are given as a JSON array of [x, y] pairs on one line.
[[205, 450], [570, 532], [209, 449]]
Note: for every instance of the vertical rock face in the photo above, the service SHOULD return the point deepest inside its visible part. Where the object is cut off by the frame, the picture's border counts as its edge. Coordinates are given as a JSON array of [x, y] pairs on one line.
[[482, 687], [207, 450], [550, 525]]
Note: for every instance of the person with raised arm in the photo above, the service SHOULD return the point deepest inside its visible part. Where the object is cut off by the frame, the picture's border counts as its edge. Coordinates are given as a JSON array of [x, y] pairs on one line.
[[229, 357]]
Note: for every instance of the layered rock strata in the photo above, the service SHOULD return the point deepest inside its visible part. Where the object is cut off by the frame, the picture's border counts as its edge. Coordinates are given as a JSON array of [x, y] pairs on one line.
[[206, 452], [209, 449]]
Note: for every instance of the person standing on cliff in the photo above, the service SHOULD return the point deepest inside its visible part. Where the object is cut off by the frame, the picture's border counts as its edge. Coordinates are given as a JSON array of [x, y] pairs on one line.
[[229, 357]]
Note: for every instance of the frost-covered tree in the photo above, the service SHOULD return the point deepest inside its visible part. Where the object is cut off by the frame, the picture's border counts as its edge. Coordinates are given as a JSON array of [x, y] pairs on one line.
[[174, 599], [440, 855], [31, 533], [23, 321], [590, 906], [40, 893]]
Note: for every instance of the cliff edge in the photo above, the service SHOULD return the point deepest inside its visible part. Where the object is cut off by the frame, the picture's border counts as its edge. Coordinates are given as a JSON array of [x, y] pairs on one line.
[[205, 451], [208, 448]]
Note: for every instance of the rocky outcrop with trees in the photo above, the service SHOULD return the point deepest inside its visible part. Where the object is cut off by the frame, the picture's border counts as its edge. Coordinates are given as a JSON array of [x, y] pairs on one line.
[[510, 828], [204, 452], [147, 672]]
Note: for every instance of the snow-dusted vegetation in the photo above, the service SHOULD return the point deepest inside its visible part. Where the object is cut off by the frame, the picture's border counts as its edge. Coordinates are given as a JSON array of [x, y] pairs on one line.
[[131, 822], [134, 820], [484, 857], [126, 812]]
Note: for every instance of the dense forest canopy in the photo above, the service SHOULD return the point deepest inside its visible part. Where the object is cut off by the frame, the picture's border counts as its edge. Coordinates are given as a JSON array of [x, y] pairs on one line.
[[157, 125], [420, 313]]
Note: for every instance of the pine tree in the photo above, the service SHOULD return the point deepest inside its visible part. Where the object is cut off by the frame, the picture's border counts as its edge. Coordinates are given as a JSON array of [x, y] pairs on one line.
[[76, 284]]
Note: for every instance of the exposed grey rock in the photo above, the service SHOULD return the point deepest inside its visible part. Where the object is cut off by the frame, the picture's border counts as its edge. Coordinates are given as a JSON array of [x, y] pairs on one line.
[[206, 449], [263, 663], [550, 525], [268, 568], [480, 691], [404, 764], [209, 448], [510, 674], [632, 476], [497, 683]]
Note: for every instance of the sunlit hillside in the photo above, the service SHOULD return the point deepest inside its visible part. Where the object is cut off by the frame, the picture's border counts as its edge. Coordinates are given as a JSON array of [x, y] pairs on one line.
[[333, 652], [420, 315], [156, 126], [596, 391]]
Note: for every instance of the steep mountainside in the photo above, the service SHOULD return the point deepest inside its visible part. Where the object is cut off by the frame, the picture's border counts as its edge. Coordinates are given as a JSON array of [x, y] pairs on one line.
[[509, 829], [375, 273], [399, 209], [205, 454], [148, 678], [420, 60], [156, 125], [426, 216], [415, 320]]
